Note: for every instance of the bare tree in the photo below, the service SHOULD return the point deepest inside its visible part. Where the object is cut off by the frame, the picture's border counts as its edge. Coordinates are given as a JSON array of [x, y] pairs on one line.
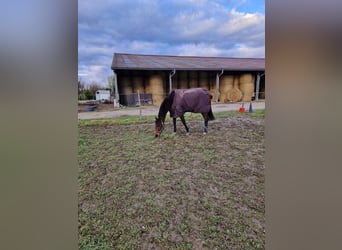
[[81, 87], [93, 87]]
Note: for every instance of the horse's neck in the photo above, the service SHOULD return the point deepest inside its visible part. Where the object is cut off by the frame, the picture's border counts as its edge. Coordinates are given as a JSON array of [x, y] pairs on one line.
[[165, 107], [162, 113]]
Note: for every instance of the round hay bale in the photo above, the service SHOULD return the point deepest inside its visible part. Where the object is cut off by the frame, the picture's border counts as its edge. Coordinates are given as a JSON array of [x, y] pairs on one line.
[[203, 80], [226, 84], [234, 95], [247, 90], [126, 85], [156, 86], [193, 83]]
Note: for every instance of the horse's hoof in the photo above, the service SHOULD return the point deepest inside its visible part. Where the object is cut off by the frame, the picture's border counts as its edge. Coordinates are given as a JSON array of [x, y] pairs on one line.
[[187, 133], [173, 133], [204, 133]]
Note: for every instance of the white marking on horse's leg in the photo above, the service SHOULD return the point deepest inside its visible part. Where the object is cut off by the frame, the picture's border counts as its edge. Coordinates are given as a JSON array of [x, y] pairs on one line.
[[187, 133], [173, 133]]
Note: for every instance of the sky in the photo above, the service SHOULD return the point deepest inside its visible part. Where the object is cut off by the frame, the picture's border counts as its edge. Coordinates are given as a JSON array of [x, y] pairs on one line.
[[218, 28]]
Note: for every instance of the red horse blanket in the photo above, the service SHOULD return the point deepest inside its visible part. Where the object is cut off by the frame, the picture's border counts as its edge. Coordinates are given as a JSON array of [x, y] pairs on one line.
[[196, 100]]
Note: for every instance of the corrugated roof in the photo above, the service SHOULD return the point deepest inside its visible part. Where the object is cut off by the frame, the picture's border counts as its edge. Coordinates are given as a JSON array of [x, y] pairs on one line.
[[161, 62]]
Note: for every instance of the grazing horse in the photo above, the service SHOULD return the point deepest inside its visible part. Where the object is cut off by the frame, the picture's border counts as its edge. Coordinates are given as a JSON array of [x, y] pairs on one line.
[[179, 101]]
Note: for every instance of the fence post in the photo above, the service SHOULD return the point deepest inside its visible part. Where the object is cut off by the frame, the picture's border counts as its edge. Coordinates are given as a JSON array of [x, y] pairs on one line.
[[140, 115]]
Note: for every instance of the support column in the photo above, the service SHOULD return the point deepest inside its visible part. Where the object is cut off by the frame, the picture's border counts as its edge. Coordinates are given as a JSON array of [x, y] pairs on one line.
[[171, 74], [257, 87], [218, 85]]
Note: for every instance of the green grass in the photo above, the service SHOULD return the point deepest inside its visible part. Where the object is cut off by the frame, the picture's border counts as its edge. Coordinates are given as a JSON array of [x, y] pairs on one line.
[[151, 119]]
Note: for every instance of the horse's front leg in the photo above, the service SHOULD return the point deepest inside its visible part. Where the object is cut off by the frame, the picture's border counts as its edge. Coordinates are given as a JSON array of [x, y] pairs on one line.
[[184, 123], [174, 126]]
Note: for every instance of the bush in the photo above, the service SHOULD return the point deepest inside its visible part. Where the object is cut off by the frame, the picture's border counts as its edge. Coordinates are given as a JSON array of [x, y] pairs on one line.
[[89, 95]]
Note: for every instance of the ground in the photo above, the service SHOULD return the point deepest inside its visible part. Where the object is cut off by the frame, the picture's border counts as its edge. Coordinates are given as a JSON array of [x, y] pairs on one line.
[[173, 192], [99, 107]]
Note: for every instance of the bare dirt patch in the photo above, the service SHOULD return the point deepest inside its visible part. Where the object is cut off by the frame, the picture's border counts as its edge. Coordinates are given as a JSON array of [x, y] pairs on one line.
[[173, 192]]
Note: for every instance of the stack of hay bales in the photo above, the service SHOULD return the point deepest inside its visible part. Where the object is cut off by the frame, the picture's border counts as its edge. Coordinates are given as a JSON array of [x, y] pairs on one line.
[[193, 79], [138, 84], [234, 94], [156, 87], [203, 80], [226, 84], [212, 89], [126, 85], [182, 80], [246, 82], [262, 93]]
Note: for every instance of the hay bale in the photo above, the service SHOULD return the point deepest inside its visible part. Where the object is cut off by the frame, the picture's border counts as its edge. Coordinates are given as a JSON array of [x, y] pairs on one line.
[[138, 85], [234, 95], [262, 93], [182, 80], [212, 91], [193, 83], [125, 85], [246, 82], [203, 80], [226, 84], [246, 78], [247, 90], [156, 87]]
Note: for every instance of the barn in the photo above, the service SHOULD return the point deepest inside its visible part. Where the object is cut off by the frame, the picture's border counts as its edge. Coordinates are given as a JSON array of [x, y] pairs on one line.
[[154, 76]]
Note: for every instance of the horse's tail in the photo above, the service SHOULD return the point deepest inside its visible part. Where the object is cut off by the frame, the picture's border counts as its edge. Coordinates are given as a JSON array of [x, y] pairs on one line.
[[211, 115]]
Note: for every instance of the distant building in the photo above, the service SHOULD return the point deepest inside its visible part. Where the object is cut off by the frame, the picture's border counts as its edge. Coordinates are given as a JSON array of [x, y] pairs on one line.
[[228, 79], [102, 95]]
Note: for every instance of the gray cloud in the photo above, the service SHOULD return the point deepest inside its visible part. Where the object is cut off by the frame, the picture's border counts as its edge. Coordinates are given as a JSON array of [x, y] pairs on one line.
[[181, 27]]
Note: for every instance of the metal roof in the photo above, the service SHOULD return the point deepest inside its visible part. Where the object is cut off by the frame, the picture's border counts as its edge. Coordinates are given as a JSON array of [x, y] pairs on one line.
[[162, 62]]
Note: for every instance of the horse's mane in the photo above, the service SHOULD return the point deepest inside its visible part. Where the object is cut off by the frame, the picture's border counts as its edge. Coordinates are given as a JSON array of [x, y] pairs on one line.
[[166, 104]]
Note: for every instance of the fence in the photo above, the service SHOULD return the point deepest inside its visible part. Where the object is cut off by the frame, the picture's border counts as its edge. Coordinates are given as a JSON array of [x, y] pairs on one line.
[[132, 99], [136, 99]]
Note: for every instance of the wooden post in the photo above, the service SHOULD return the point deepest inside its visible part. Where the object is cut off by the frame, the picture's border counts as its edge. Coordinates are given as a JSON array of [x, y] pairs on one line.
[[116, 89], [140, 115]]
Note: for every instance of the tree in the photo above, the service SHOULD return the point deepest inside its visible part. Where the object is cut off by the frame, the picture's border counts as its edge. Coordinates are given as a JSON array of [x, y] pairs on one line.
[[80, 87], [111, 84], [89, 95], [93, 87]]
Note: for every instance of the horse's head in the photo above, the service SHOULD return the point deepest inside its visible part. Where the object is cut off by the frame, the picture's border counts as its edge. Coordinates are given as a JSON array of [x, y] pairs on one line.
[[159, 126]]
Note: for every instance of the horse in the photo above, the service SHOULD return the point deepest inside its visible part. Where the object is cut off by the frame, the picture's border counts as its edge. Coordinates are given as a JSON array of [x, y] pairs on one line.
[[179, 101]]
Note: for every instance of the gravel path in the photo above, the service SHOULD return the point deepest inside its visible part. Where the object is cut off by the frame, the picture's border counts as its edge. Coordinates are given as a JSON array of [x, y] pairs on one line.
[[153, 110]]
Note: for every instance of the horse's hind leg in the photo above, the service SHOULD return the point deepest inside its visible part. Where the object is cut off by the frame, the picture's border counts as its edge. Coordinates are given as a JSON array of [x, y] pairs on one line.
[[174, 126], [206, 119], [184, 123]]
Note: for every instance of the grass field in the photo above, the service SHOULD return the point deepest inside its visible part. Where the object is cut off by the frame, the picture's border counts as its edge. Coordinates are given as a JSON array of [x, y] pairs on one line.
[[173, 192]]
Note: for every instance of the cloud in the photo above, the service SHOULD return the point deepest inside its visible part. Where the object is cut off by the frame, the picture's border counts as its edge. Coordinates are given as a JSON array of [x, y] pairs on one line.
[[242, 22], [180, 27]]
